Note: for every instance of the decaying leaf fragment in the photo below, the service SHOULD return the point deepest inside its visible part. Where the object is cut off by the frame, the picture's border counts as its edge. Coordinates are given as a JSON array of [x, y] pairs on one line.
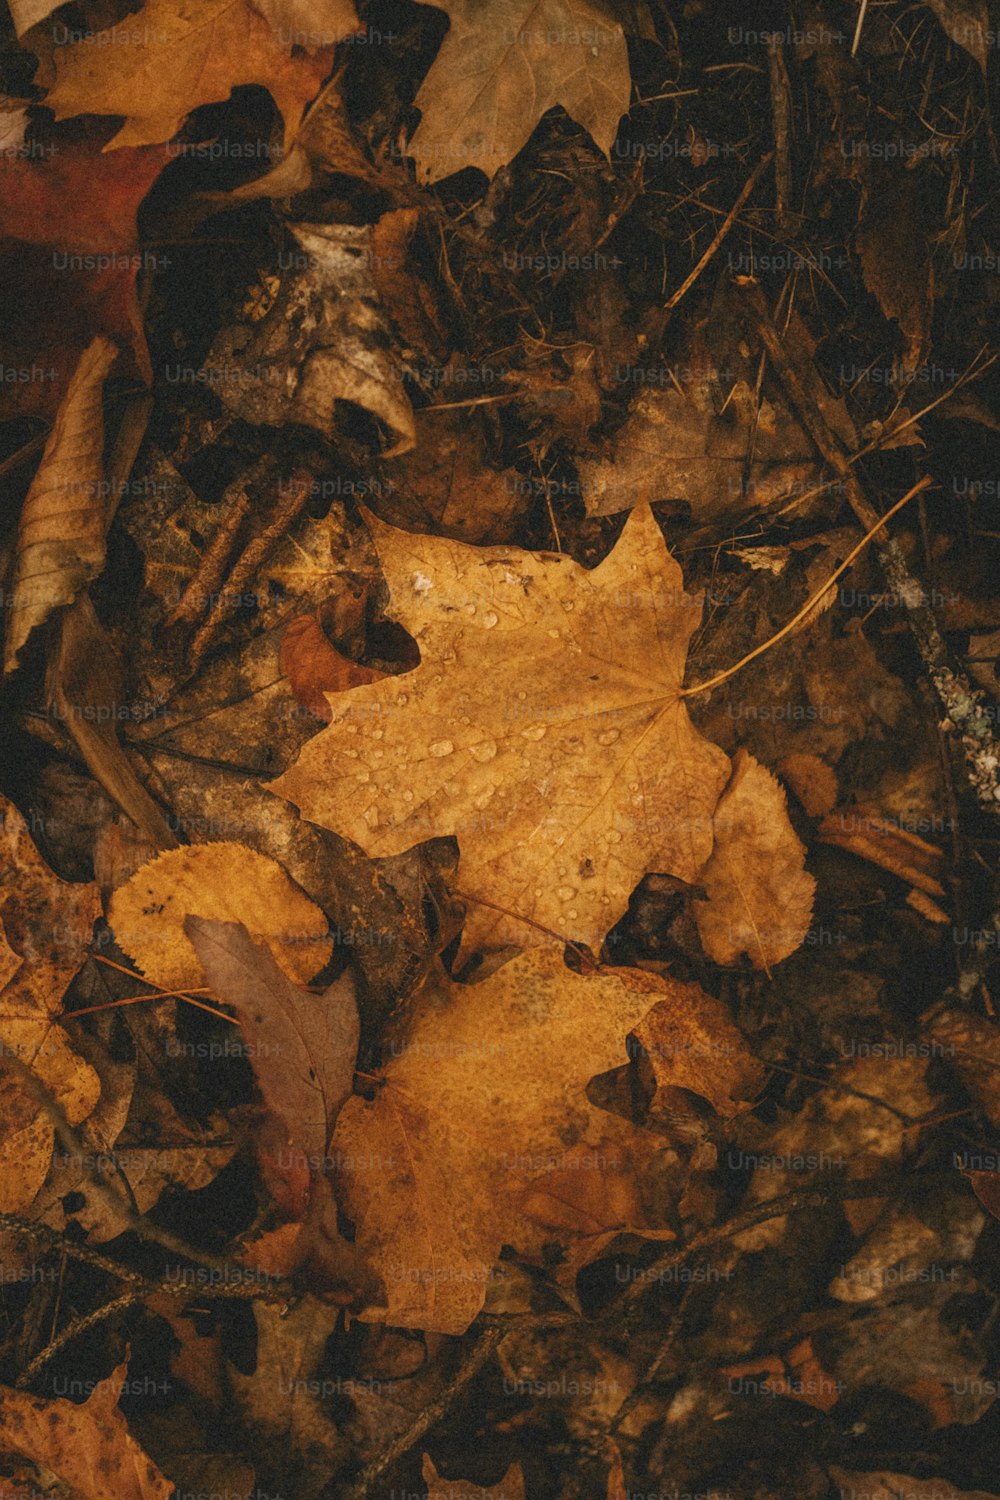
[[759, 894], [434, 1170], [543, 727], [502, 66], [88, 1446], [60, 539], [322, 341], [226, 882], [45, 926], [966, 22]]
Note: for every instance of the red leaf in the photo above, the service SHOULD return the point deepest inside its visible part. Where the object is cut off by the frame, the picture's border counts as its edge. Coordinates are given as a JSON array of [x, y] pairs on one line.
[[67, 201]]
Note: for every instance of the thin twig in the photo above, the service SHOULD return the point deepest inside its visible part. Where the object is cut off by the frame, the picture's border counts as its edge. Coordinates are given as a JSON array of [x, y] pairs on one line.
[[481, 1351], [810, 604], [720, 233], [203, 586], [964, 705], [291, 501]]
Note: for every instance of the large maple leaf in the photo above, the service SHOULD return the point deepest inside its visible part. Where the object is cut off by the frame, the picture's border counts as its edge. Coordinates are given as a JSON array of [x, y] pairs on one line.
[[182, 54], [503, 65], [485, 1095], [543, 728]]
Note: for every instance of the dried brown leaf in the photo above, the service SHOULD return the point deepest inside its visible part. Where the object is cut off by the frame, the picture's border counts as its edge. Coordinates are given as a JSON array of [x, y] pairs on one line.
[[759, 894], [501, 68], [60, 538], [303, 1047], [182, 56], [436, 1167]]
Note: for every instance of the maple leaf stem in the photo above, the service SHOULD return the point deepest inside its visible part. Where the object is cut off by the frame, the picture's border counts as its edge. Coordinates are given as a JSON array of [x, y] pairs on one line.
[[811, 603]]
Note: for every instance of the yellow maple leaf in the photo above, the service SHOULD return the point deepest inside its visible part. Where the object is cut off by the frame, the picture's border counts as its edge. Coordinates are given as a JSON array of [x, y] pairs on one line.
[[543, 728], [484, 1095]]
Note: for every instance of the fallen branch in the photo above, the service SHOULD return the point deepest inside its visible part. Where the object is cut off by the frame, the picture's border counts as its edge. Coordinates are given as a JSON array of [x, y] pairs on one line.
[[964, 705]]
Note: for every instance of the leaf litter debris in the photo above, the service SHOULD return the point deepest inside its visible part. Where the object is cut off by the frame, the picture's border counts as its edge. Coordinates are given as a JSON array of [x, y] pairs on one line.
[[499, 780]]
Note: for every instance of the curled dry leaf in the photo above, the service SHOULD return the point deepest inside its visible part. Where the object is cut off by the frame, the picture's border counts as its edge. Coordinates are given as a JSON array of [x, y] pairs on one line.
[[45, 926], [60, 536], [500, 69], [510, 1487], [434, 1170], [88, 1446], [228, 883], [321, 341], [543, 727], [181, 57], [759, 894], [85, 686], [864, 831]]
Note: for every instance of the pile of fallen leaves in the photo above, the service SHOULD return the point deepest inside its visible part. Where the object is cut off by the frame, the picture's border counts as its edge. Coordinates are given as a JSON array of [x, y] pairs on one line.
[[498, 783]]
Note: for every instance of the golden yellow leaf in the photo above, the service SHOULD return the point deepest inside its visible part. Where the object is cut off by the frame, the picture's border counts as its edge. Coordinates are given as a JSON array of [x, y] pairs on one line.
[[543, 727], [485, 1095], [228, 883], [503, 65], [183, 53], [759, 894]]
